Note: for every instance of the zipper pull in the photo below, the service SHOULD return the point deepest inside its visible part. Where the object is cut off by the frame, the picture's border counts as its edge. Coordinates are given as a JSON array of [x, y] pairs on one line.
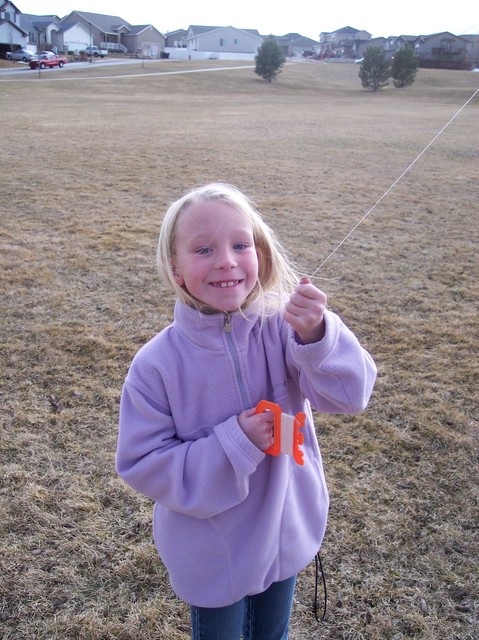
[[227, 324]]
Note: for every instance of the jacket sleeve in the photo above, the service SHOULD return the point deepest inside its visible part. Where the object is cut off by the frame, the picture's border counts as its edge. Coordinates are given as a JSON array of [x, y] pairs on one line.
[[200, 478], [336, 374]]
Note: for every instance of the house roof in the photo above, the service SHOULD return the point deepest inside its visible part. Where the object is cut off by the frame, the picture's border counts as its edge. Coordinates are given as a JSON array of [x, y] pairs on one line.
[[3, 4], [13, 25], [297, 40], [393, 39], [177, 32], [343, 30], [442, 33], [253, 32], [28, 20], [71, 24], [107, 24], [198, 30], [139, 28], [118, 27]]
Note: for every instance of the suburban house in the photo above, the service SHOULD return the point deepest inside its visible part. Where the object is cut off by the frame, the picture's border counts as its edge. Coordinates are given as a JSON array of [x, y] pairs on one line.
[[439, 50], [442, 51], [294, 44], [12, 34], [75, 32], [44, 32], [395, 43], [359, 47], [115, 33], [223, 39], [74, 36], [472, 50], [176, 39], [341, 43], [144, 40]]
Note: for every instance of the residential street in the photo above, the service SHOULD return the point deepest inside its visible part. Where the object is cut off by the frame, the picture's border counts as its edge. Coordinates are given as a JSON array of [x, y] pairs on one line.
[[27, 73]]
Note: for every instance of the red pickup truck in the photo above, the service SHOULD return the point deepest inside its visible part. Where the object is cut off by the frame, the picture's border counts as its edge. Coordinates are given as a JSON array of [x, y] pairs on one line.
[[48, 60]]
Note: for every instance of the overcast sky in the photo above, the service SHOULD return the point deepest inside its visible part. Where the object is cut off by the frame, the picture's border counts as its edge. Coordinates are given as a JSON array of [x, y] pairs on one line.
[[406, 17]]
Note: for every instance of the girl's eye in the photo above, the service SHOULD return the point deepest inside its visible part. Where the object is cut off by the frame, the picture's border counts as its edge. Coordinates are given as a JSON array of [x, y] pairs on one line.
[[203, 251], [240, 246]]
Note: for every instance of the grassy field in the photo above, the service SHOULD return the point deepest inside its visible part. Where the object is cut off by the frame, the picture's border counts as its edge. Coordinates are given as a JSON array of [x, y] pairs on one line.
[[91, 157]]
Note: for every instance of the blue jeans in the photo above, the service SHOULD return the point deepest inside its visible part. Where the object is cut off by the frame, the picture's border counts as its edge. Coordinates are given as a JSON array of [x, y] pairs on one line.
[[264, 616]]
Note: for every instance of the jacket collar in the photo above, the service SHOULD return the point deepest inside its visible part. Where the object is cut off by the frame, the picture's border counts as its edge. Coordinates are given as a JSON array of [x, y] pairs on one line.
[[210, 331]]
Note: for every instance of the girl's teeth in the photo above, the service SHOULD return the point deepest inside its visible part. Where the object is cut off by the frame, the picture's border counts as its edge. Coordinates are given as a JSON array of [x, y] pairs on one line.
[[227, 284]]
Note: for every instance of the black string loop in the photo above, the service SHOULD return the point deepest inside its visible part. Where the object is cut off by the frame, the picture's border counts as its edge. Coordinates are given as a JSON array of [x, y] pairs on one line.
[[319, 568]]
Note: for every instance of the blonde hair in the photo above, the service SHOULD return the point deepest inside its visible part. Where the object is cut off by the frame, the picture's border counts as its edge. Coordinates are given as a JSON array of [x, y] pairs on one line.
[[276, 273]]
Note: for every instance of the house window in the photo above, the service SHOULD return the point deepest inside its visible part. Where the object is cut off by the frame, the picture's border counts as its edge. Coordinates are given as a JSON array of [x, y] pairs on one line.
[[236, 41], [222, 42]]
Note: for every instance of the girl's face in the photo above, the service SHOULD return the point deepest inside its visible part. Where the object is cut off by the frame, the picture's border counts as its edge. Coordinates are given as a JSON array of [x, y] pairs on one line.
[[215, 256]]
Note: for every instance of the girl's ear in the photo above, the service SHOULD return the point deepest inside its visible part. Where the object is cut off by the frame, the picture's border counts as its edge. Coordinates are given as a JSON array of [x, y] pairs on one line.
[[179, 280]]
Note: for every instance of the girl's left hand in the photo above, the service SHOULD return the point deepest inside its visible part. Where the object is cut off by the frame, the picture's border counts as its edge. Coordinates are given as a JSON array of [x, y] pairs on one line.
[[304, 311]]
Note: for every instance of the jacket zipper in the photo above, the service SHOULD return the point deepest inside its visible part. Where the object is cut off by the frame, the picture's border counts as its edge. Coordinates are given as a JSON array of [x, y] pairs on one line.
[[235, 358]]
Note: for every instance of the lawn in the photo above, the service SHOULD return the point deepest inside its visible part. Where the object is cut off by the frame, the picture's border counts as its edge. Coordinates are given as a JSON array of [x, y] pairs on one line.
[[91, 158]]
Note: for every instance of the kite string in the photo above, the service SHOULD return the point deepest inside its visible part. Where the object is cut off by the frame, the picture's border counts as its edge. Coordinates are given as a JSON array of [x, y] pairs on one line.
[[393, 185]]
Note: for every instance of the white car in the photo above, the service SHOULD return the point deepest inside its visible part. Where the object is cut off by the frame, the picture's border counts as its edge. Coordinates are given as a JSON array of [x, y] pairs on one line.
[[22, 54]]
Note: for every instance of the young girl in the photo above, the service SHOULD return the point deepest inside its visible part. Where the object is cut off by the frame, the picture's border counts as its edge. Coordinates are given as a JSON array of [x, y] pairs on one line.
[[232, 524]]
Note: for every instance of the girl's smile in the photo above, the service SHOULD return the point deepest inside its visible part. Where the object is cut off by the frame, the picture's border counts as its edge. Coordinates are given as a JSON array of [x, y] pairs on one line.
[[215, 255], [232, 283]]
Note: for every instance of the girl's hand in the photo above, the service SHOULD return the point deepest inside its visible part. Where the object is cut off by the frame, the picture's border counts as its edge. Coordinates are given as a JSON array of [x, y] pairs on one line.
[[258, 427], [304, 311]]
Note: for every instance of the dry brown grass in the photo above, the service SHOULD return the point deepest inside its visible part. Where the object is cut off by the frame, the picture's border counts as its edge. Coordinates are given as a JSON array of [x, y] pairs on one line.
[[88, 168]]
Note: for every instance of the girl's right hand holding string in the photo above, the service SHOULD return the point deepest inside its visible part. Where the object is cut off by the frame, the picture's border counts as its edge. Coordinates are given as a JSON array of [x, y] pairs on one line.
[[305, 310], [258, 427]]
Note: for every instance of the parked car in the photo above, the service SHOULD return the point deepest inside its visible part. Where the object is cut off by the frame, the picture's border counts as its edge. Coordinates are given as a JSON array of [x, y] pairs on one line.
[[22, 54], [48, 60], [95, 52]]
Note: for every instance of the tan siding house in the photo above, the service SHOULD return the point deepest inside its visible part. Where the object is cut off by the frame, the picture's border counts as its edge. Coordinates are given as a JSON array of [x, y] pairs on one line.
[[144, 40]]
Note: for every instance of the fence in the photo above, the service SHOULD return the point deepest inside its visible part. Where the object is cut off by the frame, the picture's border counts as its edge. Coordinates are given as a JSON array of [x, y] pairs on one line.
[[188, 54]]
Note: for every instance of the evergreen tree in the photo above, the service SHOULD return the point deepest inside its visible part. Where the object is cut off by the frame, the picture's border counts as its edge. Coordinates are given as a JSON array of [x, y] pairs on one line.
[[269, 59], [404, 67], [375, 70]]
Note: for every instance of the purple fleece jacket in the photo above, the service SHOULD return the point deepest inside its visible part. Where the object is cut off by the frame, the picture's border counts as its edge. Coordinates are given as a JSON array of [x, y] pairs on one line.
[[230, 520]]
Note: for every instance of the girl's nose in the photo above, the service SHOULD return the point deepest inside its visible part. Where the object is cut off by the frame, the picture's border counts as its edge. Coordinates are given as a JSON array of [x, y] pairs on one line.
[[225, 259]]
